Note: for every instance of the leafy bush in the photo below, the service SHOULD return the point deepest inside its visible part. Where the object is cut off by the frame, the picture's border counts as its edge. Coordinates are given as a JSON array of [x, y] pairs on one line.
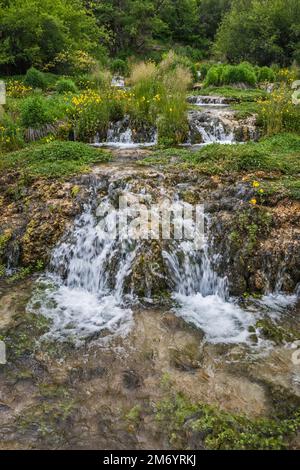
[[17, 89], [214, 76], [242, 73], [118, 103], [119, 67], [159, 97], [55, 159], [278, 113], [36, 112], [265, 74], [219, 75], [66, 85], [203, 69], [35, 79]]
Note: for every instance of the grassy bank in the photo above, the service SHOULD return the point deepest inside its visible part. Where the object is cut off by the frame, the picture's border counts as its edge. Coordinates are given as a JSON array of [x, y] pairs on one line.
[[277, 157], [53, 160]]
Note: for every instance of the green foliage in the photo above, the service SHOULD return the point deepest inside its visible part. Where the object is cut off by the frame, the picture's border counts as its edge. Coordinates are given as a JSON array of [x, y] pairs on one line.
[[278, 113], [35, 79], [11, 135], [159, 97], [260, 32], [219, 75], [37, 32], [219, 430], [242, 73], [276, 154], [36, 112], [66, 85], [266, 74], [119, 67], [53, 160]]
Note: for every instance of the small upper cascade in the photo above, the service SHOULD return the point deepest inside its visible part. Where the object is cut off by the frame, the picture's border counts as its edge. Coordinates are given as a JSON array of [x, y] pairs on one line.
[[210, 101], [118, 82]]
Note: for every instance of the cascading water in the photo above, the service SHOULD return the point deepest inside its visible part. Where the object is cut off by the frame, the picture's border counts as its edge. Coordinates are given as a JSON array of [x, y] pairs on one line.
[[86, 280], [121, 134], [86, 295], [209, 101], [207, 127], [202, 295]]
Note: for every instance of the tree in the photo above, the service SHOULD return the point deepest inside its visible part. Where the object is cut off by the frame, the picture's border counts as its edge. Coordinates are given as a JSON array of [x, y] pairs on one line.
[[211, 13], [33, 32], [260, 31]]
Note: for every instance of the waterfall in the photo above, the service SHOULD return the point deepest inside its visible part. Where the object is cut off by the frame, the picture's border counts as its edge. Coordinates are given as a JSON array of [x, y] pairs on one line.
[[86, 276], [208, 127], [120, 134], [202, 295], [88, 292]]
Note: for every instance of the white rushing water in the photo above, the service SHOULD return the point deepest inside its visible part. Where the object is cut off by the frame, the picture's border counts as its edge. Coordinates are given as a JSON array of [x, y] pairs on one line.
[[202, 296], [120, 135], [84, 294], [86, 283], [209, 101]]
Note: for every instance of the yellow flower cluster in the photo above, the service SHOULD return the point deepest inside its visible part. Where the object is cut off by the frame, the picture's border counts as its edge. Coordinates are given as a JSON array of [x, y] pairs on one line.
[[260, 192], [79, 103], [286, 75], [7, 135], [86, 98], [16, 89], [278, 111]]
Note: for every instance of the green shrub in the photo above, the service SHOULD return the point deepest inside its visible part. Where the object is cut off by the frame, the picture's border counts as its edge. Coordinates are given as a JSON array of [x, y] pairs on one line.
[[117, 104], [242, 73], [36, 112], [265, 74], [219, 75], [35, 79], [119, 67], [203, 69], [278, 113], [214, 76], [89, 115], [66, 85], [159, 97]]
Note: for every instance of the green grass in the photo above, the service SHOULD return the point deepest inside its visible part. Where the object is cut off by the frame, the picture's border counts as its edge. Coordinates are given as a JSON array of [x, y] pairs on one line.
[[53, 160], [280, 154], [250, 95], [245, 109]]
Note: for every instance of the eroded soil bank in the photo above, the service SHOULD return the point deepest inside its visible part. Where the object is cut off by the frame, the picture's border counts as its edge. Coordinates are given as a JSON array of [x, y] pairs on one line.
[[163, 385]]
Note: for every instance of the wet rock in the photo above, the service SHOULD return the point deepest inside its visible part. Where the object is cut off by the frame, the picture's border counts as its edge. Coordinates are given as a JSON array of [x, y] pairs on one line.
[[131, 380], [188, 359]]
